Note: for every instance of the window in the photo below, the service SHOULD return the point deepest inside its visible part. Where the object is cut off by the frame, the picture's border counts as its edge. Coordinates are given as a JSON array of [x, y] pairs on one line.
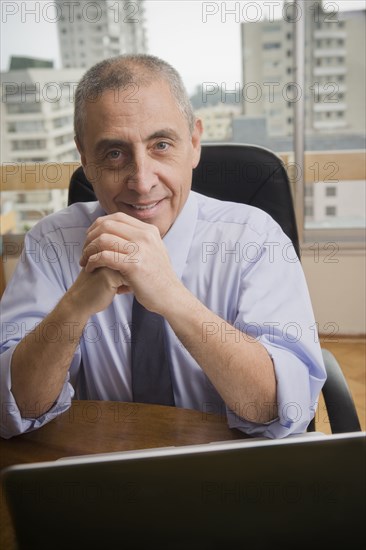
[[330, 191], [334, 134], [272, 46], [62, 121], [330, 210], [309, 210], [309, 190], [272, 28], [19, 108], [28, 144], [26, 126]]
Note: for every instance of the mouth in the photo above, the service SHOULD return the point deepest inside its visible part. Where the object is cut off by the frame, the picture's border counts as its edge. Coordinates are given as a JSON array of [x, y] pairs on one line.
[[144, 206], [144, 210]]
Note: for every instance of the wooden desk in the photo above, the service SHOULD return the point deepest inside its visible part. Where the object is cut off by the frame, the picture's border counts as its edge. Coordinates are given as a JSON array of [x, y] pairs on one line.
[[104, 426]]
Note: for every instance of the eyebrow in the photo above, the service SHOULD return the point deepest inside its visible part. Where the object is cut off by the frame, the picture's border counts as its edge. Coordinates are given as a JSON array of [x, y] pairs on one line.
[[106, 143], [165, 133]]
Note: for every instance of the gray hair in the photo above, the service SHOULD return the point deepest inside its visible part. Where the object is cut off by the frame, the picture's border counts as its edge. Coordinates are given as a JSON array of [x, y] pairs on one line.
[[126, 70]]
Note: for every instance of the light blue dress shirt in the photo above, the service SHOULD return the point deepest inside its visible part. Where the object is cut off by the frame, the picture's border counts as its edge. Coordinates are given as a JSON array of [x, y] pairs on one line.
[[233, 257]]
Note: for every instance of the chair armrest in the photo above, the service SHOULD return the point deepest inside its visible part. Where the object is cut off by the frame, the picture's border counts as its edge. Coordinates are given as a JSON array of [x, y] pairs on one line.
[[338, 398]]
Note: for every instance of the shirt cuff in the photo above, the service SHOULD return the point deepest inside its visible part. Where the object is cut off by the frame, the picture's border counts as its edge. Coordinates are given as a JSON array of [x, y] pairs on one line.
[[294, 403], [12, 423]]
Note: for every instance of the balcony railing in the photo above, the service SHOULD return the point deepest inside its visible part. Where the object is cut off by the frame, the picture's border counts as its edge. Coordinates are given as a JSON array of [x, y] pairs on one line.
[[321, 168]]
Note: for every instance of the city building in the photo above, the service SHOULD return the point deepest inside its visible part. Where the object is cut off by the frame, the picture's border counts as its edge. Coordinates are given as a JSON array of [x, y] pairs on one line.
[[92, 31], [334, 100], [37, 106], [335, 70], [336, 204], [217, 121]]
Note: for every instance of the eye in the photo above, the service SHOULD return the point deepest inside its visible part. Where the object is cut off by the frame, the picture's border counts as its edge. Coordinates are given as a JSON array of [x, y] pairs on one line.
[[114, 155], [162, 146]]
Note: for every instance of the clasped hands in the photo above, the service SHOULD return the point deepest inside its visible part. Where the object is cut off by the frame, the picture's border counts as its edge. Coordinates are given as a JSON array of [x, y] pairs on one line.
[[122, 254]]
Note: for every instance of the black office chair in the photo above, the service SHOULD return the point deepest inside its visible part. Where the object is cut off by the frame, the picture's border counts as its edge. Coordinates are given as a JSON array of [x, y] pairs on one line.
[[253, 175]]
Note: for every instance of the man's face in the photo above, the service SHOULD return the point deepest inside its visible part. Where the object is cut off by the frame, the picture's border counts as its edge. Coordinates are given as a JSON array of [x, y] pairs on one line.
[[138, 153]]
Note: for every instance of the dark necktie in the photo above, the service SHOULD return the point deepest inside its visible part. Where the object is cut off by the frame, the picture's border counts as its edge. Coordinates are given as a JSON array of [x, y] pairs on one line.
[[151, 382]]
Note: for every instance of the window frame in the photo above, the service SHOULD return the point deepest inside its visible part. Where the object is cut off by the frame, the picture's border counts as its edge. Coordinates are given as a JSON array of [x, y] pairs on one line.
[[346, 238]]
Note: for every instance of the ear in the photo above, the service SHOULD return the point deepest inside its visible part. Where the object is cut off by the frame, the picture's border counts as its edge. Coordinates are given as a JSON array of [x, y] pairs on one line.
[[196, 142], [81, 152]]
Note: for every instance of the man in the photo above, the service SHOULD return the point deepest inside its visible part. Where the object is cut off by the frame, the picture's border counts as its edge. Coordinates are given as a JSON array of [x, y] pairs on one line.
[[145, 238]]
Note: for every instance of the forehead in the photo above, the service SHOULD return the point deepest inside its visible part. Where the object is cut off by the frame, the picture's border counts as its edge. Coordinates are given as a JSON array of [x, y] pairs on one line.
[[132, 109]]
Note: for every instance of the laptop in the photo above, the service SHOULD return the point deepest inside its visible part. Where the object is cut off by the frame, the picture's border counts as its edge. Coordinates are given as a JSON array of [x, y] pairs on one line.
[[300, 492]]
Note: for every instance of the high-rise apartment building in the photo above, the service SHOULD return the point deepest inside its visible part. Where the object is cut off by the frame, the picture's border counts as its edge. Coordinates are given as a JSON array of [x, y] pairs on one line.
[[217, 121], [92, 31], [334, 49], [334, 65], [37, 106]]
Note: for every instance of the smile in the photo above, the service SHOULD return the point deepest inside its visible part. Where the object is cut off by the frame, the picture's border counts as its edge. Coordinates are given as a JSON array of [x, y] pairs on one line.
[[144, 206]]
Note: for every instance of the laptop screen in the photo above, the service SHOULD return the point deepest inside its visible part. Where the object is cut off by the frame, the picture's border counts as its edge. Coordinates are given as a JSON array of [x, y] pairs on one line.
[[301, 492]]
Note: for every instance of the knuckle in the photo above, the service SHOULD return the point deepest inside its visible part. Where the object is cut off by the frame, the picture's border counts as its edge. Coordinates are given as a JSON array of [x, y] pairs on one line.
[[106, 225], [102, 240], [120, 216], [152, 234]]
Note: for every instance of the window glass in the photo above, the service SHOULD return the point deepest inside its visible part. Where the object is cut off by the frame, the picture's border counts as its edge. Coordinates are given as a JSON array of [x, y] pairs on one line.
[[237, 61], [335, 121]]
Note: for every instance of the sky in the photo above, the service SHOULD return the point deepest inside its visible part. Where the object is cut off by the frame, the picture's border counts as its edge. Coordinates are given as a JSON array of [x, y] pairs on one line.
[[200, 39]]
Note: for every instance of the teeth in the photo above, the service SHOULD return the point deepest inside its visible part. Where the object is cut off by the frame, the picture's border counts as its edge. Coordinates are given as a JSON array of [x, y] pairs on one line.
[[144, 207]]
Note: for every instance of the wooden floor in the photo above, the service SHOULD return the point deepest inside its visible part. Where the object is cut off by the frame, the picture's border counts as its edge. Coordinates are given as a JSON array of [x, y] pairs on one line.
[[351, 356]]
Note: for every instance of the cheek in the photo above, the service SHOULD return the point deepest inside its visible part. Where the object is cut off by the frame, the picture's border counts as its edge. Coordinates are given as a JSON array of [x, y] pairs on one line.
[[180, 190], [107, 183], [104, 192], [106, 200]]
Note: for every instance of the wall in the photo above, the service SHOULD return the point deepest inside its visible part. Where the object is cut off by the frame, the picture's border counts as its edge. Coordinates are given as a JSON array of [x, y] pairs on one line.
[[336, 283]]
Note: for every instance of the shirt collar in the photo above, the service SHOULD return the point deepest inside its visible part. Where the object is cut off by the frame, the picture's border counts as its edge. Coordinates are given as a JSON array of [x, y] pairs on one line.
[[179, 237]]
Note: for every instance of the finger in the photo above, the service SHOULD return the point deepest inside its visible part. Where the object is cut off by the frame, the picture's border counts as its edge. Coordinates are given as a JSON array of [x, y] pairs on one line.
[[116, 219], [113, 237], [111, 243], [106, 258]]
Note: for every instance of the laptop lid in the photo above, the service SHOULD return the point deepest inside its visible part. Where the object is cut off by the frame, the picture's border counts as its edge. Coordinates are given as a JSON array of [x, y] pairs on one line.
[[301, 492]]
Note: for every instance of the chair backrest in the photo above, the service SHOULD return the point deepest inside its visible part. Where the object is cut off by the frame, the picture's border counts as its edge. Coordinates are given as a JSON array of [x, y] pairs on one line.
[[80, 189], [241, 173], [248, 174]]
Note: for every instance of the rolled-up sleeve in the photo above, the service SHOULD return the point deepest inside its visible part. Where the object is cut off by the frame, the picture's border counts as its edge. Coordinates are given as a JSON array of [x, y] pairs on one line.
[[31, 294], [12, 422], [275, 308], [297, 396]]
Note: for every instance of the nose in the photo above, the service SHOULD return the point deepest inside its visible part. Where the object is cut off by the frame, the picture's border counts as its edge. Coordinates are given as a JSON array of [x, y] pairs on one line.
[[142, 177]]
